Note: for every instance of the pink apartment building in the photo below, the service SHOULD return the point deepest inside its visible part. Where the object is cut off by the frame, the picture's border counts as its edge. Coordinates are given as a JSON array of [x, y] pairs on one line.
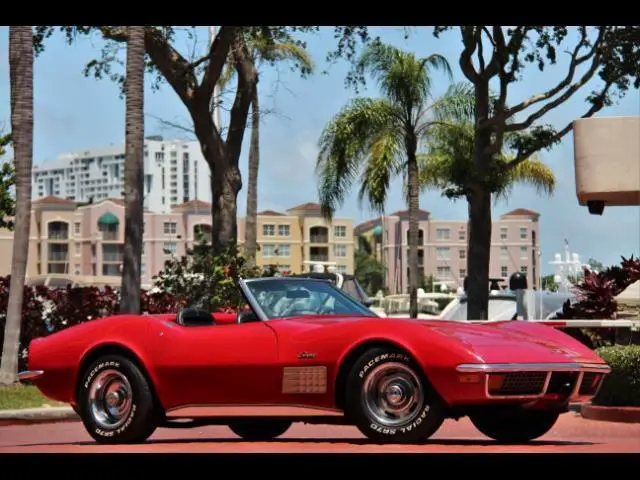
[[85, 243], [443, 247]]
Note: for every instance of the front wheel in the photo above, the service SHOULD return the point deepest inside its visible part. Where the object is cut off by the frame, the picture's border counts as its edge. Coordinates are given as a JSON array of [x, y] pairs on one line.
[[515, 426], [390, 400], [260, 429], [115, 401]]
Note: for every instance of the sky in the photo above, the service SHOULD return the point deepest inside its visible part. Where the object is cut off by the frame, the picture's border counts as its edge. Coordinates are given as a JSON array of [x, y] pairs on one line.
[[73, 112]]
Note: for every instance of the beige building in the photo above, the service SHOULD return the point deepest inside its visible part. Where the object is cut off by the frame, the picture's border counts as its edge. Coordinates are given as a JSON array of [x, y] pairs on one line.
[[84, 243], [442, 251], [301, 236]]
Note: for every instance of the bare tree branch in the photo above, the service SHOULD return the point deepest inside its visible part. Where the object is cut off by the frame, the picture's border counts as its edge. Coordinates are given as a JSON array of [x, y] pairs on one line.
[[596, 106], [575, 62], [514, 127], [466, 63], [222, 42]]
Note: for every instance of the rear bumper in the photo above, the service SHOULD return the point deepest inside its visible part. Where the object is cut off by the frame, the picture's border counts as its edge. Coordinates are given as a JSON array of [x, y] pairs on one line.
[[30, 375]]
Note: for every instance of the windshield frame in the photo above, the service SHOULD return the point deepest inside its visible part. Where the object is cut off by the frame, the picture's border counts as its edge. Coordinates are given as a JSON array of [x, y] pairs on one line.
[[244, 283]]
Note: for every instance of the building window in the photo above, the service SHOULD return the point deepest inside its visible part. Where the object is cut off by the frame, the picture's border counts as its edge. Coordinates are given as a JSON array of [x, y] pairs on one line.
[[504, 233], [523, 253], [443, 253], [76, 228], [504, 253], [268, 230], [340, 250], [340, 231], [443, 273], [462, 254], [443, 233], [170, 248], [462, 235], [170, 228], [78, 249], [524, 269], [523, 233], [462, 273], [268, 251], [76, 269], [143, 269], [283, 250], [341, 269], [284, 230]]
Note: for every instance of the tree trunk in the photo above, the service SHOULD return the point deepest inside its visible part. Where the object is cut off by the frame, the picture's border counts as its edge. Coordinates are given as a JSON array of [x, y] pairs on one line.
[[134, 173], [251, 232], [414, 212], [21, 79], [479, 255], [479, 213], [226, 182]]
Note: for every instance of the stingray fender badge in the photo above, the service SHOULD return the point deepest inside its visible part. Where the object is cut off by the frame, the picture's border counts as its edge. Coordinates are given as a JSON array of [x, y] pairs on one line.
[[306, 356]]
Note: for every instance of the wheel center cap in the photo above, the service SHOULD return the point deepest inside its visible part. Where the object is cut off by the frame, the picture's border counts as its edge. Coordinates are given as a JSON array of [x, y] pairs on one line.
[[113, 398], [394, 394]]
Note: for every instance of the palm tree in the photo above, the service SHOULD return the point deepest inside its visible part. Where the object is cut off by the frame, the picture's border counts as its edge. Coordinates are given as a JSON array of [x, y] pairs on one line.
[[21, 54], [262, 49], [448, 164], [133, 172], [382, 135]]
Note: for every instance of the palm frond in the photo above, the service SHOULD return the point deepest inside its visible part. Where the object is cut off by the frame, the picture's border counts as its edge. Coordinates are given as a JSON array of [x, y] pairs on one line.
[[346, 142], [532, 172], [384, 162]]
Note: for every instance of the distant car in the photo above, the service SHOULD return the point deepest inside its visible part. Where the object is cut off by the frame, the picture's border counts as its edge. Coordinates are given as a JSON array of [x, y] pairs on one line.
[[539, 305], [304, 351], [345, 282]]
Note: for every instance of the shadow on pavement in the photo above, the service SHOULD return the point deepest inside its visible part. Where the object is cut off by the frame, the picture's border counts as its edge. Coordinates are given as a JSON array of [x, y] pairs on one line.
[[346, 441]]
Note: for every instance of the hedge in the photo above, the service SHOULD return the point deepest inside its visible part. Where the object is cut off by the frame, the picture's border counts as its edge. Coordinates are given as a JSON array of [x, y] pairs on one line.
[[621, 388], [47, 310]]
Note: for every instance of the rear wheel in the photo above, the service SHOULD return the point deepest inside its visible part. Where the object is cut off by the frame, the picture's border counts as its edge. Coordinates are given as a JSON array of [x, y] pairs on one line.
[[390, 400], [515, 426], [260, 429], [115, 401]]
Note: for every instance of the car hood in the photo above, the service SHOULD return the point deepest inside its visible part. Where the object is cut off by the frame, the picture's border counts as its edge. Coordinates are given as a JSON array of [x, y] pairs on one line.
[[498, 343]]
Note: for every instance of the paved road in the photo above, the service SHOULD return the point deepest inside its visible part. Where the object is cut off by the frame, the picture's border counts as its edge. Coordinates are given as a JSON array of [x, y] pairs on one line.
[[572, 434]]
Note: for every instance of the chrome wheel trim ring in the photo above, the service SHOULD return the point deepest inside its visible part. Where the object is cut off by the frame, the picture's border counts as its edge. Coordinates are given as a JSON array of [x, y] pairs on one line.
[[110, 399], [393, 394]]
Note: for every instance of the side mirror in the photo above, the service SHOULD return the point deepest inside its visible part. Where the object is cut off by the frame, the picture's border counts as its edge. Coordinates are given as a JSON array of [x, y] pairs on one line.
[[247, 317]]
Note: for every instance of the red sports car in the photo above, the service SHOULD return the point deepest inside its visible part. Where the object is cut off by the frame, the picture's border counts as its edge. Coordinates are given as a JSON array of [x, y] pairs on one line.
[[306, 352]]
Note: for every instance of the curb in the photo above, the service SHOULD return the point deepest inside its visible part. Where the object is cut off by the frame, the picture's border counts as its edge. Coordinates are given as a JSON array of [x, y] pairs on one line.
[[30, 416], [611, 414]]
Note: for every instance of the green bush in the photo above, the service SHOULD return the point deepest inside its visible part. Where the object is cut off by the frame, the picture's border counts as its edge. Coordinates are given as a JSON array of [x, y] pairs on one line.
[[621, 388]]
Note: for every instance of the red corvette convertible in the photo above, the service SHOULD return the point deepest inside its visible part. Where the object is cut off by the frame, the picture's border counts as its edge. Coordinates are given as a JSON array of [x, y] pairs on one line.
[[306, 352]]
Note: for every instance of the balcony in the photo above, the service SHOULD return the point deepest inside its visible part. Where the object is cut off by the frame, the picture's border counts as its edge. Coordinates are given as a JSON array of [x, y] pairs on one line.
[[58, 231], [58, 257], [319, 235]]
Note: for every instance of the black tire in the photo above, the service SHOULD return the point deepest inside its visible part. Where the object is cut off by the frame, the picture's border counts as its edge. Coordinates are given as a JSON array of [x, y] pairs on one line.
[[138, 414], [362, 402], [260, 429], [515, 426]]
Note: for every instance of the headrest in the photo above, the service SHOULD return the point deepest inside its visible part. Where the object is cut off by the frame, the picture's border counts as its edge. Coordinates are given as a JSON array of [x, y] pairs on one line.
[[194, 317]]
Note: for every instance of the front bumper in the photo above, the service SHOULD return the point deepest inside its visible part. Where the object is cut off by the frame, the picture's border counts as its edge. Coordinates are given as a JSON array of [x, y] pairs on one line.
[[30, 375], [531, 381]]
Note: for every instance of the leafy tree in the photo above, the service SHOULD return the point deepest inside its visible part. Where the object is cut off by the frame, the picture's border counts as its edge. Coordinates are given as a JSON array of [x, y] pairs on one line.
[[7, 182], [134, 172], [206, 281], [449, 158], [21, 80], [382, 135], [596, 265], [193, 81], [263, 50]]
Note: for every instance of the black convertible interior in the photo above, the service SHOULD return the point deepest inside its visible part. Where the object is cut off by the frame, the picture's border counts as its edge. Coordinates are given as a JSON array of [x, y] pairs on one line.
[[195, 317]]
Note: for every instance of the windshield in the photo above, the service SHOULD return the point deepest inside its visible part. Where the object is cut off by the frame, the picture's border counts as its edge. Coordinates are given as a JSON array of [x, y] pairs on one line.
[[290, 297]]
